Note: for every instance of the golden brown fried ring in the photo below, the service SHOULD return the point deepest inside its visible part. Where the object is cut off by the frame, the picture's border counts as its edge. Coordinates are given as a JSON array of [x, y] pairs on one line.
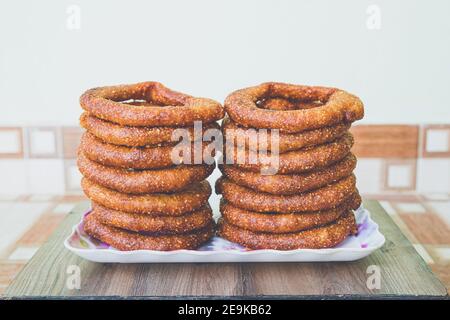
[[307, 159], [171, 204], [174, 108], [135, 157], [324, 198], [254, 140], [286, 184], [143, 181], [135, 136], [284, 222], [128, 240], [334, 106], [326, 236], [162, 225]]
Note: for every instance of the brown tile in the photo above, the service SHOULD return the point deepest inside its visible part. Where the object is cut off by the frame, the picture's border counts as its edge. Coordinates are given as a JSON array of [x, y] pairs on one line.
[[41, 230], [432, 149], [427, 228], [71, 139], [385, 141], [8, 270], [11, 140]]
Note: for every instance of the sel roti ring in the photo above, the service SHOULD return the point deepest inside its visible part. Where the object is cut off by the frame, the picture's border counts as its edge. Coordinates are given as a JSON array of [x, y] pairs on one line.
[[127, 240], [322, 237], [333, 106], [174, 108], [145, 223], [284, 222], [286, 141], [169, 179], [291, 183], [325, 198], [137, 157], [156, 204], [307, 159], [136, 136]]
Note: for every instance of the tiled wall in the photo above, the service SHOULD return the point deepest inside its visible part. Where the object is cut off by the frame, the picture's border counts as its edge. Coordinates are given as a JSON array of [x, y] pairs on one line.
[[403, 158], [392, 159], [39, 160]]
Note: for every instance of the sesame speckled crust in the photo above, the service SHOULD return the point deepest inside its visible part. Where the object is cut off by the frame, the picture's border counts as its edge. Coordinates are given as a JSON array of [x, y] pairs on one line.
[[278, 222], [135, 136], [165, 204], [163, 225], [290, 183], [307, 159], [286, 141], [133, 157], [127, 240], [143, 181], [336, 106], [173, 108], [326, 197], [326, 236]]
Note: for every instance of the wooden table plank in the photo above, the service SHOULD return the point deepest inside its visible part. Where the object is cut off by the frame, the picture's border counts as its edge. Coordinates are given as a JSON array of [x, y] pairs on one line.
[[403, 273]]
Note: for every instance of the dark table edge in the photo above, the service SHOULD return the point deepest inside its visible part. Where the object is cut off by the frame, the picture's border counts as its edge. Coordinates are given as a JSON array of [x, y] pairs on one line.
[[261, 297]]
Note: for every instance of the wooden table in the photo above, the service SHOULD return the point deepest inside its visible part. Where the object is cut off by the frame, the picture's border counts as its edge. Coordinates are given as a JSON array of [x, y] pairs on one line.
[[404, 274]]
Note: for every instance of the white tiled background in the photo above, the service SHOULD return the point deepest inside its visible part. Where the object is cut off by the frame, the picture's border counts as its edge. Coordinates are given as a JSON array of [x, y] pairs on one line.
[[32, 161]]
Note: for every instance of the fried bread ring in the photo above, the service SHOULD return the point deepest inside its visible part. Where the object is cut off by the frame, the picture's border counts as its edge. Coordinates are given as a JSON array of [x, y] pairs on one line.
[[307, 159], [171, 204], [286, 184], [170, 179], [145, 223], [333, 106], [284, 222], [128, 240], [133, 157], [326, 236], [135, 136], [174, 108], [324, 198], [286, 141]]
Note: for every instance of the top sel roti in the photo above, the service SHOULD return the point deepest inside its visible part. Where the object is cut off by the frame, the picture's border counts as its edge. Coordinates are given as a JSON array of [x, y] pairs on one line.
[[161, 106], [317, 107]]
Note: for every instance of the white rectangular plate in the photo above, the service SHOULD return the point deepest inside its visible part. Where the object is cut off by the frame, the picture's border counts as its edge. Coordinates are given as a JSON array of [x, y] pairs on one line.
[[217, 249]]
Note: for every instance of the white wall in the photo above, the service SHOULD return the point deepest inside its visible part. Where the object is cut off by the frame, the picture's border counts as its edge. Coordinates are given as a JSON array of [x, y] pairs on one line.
[[209, 48]]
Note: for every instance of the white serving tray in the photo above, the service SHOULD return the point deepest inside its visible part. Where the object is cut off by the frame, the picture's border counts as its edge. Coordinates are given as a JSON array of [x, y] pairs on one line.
[[217, 249]]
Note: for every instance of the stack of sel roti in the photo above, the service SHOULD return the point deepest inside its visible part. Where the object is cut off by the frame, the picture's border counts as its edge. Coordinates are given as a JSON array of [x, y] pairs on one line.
[[142, 196], [308, 200]]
